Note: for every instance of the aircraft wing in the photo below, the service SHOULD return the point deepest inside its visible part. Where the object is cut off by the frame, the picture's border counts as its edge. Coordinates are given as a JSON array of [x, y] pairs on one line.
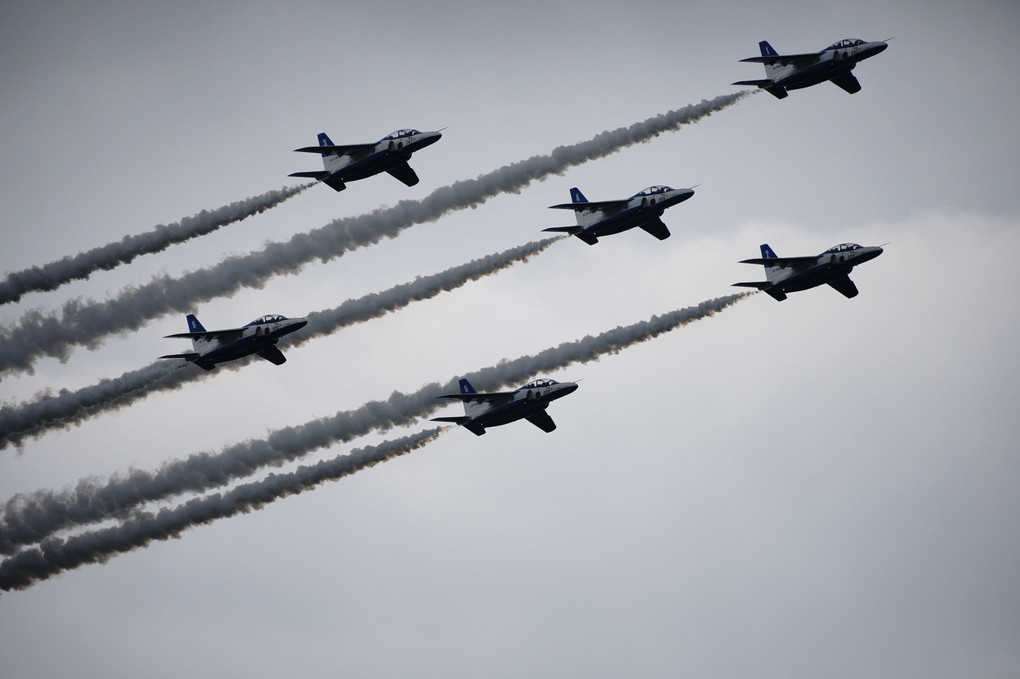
[[848, 82], [403, 172], [606, 205], [657, 228], [489, 396], [542, 420], [784, 59], [795, 262], [273, 355], [222, 335], [346, 150], [844, 286]]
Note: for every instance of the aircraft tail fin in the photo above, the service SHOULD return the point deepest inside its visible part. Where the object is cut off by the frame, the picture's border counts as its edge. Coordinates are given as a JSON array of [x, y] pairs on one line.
[[194, 326], [330, 160], [771, 270], [576, 196], [770, 68]]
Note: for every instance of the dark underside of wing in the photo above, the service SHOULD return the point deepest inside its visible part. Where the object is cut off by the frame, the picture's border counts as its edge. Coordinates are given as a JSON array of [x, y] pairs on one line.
[[542, 420], [403, 172], [848, 82], [273, 355], [844, 285], [657, 228]]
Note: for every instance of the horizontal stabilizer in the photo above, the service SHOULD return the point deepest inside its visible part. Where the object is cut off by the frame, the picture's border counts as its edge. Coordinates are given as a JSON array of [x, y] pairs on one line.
[[565, 229], [191, 356], [761, 285], [465, 422], [313, 174], [756, 83]]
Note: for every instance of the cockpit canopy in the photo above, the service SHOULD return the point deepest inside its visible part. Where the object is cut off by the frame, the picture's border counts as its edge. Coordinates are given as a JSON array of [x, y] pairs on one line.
[[268, 318], [539, 383], [653, 190], [844, 247], [849, 42], [399, 134]]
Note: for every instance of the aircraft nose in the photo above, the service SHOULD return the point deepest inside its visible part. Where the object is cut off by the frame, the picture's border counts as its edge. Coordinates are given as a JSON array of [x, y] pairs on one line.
[[879, 46], [299, 323], [568, 387]]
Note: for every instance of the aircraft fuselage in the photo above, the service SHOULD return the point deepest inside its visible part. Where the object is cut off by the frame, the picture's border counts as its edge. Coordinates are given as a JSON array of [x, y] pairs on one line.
[[523, 403], [831, 64], [387, 153], [637, 212], [828, 267]]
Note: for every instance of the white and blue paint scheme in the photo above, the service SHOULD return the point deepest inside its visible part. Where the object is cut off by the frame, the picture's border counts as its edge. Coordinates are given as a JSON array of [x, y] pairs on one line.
[[792, 274], [218, 346], [483, 410], [602, 218], [358, 161], [795, 71]]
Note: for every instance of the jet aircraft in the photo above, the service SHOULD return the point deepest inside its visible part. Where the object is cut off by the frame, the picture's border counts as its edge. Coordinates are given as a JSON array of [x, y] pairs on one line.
[[794, 71], [791, 274], [603, 218], [357, 161], [483, 410], [218, 346]]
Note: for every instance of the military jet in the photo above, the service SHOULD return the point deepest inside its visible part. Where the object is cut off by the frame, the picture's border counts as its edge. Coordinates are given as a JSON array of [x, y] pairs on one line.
[[794, 71], [606, 217], [357, 161], [792, 274], [218, 346], [493, 409]]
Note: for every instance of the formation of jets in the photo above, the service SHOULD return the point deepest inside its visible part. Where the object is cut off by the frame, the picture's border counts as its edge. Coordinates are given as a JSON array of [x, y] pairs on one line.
[[644, 209], [218, 346], [357, 161], [794, 71], [483, 410], [595, 219], [792, 274]]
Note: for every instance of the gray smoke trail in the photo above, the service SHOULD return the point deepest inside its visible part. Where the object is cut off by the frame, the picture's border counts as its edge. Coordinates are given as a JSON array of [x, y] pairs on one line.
[[31, 518], [56, 555], [86, 323], [73, 407], [79, 267]]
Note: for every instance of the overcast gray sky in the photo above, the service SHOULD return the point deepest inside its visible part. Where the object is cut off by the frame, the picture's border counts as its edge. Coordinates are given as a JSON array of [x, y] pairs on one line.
[[818, 487]]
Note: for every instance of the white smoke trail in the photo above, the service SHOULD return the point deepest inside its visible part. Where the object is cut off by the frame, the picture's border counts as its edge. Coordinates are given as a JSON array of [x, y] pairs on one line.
[[31, 518], [56, 555], [73, 407], [87, 323], [79, 267]]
